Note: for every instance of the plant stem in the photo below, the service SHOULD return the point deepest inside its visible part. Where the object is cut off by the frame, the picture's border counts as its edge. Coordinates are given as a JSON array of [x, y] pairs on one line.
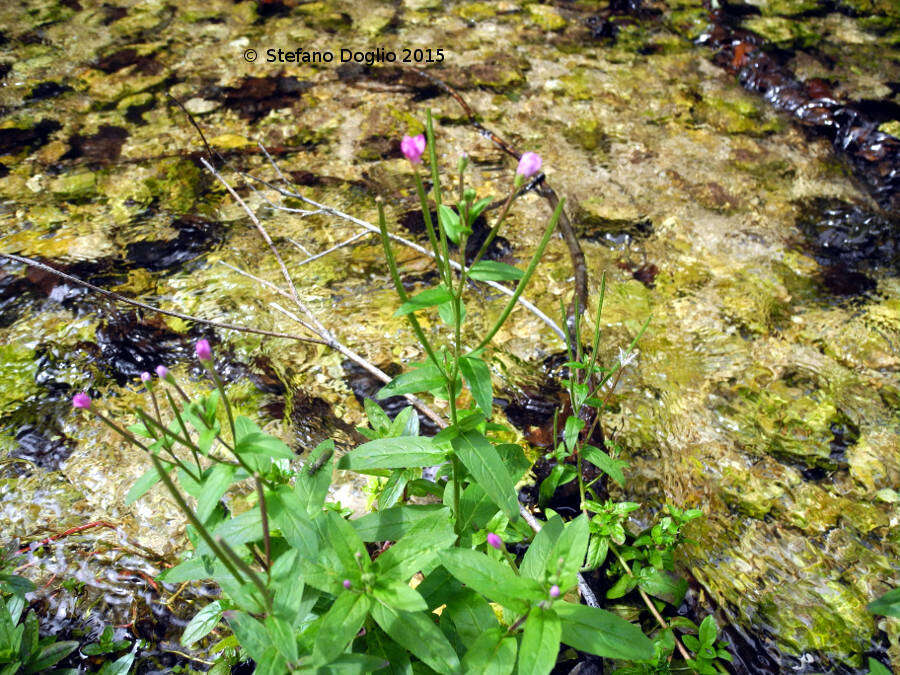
[[401, 292], [532, 265], [246, 569], [192, 517], [265, 523]]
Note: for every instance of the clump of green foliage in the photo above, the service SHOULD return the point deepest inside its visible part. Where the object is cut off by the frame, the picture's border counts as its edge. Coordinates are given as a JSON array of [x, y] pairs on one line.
[[416, 587]]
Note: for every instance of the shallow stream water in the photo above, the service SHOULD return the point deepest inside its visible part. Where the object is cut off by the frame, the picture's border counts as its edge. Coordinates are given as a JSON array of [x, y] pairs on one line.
[[763, 246]]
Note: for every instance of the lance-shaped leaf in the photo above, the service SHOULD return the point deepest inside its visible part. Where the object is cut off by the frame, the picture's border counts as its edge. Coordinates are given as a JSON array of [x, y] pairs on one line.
[[484, 463], [393, 453], [596, 631], [427, 298], [494, 581], [417, 632], [540, 642]]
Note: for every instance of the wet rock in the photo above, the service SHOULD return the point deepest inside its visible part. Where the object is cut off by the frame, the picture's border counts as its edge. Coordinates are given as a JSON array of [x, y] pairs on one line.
[[195, 237], [850, 237], [499, 248], [105, 145], [14, 139], [546, 17], [129, 346], [254, 97], [45, 90], [75, 187]]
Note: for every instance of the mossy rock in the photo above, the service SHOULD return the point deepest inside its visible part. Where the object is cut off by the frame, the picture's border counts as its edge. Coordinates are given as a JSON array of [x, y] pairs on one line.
[[783, 32], [75, 187], [736, 115], [787, 7], [546, 17], [17, 372], [589, 134], [477, 11], [786, 419], [873, 460]]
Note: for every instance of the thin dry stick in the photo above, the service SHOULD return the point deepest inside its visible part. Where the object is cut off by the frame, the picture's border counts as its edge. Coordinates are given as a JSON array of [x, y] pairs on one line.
[[346, 242], [150, 308], [375, 370], [647, 601]]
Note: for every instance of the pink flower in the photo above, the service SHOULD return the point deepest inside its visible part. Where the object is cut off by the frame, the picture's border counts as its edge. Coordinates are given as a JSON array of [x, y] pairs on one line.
[[529, 164], [145, 377], [413, 147], [162, 372], [82, 401], [347, 584], [204, 352], [494, 540], [554, 591]]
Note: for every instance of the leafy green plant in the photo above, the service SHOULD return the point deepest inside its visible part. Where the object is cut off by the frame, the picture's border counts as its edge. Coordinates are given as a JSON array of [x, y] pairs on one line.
[[409, 586], [22, 650]]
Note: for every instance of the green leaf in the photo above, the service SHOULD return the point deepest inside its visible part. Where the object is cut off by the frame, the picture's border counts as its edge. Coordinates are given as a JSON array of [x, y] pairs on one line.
[[393, 453], [424, 378], [475, 507], [283, 637], [478, 376], [241, 529], [50, 655], [495, 581], [540, 642], [514, 459], [378, 419], [537, 557], [596, 631], [15, 584], [341, 624], [888, 604], [143, 484], [416, 632], [202, 624], [877, 668], [417, 548], [574, 425], [478, 207], [350, 664], [272, 663], [489, 270], [29, 642], [488, 470], [611, 467], [570, 547], [471, 615], [448, 315], [392, 490], [623, 585], [708, 631], [251, 635], [449, 220], [215, 485], [398, 596], [393, 523], [439, 587], [406, 423], [313, 489], [427, 298], [122, 665], [251, 440], [492, 653], [289, 513], [663, 585]]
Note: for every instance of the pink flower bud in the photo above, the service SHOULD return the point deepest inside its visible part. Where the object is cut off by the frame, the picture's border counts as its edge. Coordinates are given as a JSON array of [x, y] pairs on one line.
[[529, 164], [413, 147], [145, 376], [494, 540], [82, 401], [554, 591], [347, 584], [162, 372], [203, 350]]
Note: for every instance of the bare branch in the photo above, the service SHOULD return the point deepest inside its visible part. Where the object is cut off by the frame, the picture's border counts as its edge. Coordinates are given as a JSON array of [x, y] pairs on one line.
[[151, 308]]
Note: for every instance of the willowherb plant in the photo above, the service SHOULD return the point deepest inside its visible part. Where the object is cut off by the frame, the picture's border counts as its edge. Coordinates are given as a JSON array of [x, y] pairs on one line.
[[424, 587]]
